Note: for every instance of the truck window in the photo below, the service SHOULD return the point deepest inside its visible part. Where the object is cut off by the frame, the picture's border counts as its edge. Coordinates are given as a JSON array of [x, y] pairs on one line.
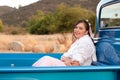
[[110, 16]]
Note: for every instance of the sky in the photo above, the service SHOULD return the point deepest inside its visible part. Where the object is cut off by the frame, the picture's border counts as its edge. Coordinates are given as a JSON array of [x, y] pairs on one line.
[[16, 3]]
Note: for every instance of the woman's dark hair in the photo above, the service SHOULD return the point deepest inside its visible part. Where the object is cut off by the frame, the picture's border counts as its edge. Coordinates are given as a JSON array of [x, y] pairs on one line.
[[87, 26]]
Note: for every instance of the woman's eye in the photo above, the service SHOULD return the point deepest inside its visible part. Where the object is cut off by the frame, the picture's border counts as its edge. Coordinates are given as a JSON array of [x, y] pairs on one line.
[[80, 28]]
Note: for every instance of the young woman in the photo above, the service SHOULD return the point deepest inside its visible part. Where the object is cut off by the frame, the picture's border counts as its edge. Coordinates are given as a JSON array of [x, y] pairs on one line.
[[81, 52]]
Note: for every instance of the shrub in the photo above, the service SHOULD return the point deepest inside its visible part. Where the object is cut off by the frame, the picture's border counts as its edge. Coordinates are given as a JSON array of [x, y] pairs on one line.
[[1, 25], [61, 20]]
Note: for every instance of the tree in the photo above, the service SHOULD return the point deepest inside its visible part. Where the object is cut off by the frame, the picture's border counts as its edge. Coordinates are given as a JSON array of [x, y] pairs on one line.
[[42, 24], [61, 20], [66, 16]]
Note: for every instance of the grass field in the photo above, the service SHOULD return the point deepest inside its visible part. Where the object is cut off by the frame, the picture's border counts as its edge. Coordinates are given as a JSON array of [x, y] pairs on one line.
[[36, 43]]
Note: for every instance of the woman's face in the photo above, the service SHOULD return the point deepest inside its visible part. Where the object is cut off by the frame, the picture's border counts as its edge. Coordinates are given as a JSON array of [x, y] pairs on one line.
[[80, 30]]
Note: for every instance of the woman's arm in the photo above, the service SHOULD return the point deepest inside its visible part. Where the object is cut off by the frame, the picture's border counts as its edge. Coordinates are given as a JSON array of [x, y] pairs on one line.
[[68, 61]]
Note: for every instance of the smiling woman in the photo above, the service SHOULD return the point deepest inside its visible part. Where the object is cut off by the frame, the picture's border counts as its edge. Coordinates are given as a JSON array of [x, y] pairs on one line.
[[16, 3], [80, 53]]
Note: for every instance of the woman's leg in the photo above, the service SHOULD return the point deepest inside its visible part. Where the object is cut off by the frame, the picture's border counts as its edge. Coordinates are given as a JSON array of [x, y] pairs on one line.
[[48, 61]]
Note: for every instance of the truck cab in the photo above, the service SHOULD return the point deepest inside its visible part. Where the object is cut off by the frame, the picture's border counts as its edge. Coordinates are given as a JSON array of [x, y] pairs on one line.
[[108, 32]]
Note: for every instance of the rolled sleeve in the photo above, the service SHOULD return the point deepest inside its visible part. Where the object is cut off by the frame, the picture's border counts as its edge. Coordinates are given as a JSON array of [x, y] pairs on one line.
[[82, 50], [82, 54], [79, 58]]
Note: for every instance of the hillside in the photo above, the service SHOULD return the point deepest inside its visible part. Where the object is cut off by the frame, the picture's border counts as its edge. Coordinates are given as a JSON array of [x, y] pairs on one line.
[[19, 16], [5, 10]]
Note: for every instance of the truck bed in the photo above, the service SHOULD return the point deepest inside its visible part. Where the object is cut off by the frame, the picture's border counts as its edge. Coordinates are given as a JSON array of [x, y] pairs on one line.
[[19, 67]]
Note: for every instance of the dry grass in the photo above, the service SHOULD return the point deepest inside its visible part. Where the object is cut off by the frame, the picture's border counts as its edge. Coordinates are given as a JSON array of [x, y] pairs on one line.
[[38, 43]]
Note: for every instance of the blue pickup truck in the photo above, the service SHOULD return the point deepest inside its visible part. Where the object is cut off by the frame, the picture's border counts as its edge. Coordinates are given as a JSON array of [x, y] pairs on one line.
[[107, 36]]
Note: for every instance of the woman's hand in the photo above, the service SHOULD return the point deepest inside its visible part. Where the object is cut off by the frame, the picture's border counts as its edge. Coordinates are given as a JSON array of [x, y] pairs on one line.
[[75, 63], [69, 62], [66, 60]]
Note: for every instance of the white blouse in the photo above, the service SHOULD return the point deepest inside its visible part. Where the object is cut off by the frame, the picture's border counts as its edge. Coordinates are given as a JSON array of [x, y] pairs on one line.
[[82, 50]]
